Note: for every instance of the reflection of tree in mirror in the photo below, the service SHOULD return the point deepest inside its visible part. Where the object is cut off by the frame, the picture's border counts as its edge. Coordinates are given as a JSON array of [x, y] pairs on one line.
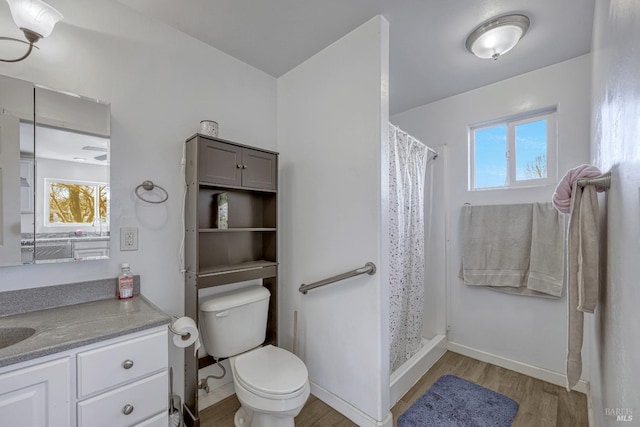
[[76, 203], [537, 168], [103, 201]]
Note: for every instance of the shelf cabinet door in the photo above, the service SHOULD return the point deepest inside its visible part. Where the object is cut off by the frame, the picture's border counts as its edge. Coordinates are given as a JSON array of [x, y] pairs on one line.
[[220, 163], [259, 169]]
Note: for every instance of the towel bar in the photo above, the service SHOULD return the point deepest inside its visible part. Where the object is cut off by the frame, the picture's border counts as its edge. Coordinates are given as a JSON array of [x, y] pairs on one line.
[[603, 181]]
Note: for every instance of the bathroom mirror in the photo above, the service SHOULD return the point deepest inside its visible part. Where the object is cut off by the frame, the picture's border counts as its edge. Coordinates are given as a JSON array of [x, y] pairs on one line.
[[54, 175]]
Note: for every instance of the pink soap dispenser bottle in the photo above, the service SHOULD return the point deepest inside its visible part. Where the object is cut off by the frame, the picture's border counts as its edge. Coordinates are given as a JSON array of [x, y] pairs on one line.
[[125, 282]]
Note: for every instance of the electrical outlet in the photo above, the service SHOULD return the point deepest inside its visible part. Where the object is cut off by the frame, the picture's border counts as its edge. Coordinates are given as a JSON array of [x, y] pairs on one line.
[[128, 238]]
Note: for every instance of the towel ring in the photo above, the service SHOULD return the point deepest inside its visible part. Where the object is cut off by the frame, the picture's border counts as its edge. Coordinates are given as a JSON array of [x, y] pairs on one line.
[[149, 186]]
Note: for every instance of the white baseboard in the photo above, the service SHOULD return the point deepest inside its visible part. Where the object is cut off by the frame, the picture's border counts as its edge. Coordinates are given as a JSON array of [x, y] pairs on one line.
[[348, 410], [215, 396], [523, 368]]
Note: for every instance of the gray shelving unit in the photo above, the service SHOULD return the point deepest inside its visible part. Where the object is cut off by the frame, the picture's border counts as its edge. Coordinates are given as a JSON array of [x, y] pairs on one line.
[[246, 250]]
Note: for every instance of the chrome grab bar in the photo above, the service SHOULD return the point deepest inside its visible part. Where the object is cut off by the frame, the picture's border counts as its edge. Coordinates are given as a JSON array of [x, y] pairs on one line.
[[369, 268]]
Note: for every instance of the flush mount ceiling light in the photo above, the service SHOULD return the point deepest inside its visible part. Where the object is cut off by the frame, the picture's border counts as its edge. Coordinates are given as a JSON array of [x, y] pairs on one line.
[[35, 18], [497, 36]]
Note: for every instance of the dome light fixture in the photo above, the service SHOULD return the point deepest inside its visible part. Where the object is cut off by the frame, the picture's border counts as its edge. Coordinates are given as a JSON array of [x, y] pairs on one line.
[[35, 18], [497, 36]]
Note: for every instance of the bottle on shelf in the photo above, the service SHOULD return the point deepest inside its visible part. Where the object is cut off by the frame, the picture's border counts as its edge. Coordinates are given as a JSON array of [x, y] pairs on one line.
[[223, 211], [125, 282]]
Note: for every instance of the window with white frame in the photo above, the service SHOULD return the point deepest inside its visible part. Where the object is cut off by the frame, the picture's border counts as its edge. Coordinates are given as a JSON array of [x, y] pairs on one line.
[[514, 152]]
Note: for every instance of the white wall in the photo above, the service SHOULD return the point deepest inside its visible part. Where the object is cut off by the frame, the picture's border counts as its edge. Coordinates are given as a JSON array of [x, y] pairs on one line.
[[332, 115], [615, 146], [525, 329], [160, 84], [435, 318]]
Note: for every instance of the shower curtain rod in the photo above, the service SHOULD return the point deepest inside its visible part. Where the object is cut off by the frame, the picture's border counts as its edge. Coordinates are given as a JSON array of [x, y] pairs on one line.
[[435, 153]]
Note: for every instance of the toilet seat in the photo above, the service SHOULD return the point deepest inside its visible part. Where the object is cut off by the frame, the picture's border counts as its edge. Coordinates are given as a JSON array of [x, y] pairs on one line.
[[271, 372]]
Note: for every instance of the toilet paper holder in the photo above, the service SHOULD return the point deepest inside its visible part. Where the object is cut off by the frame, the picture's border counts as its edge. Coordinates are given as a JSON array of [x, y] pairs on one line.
[[184, 335]]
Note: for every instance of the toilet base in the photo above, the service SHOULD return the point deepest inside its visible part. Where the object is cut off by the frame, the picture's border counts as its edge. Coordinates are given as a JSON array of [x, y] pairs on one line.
[[247, 418], [242, 418]]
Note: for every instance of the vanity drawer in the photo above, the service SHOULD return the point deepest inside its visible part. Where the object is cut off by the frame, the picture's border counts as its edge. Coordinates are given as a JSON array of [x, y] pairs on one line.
[[160, 420], [119, 363], [143, 398]]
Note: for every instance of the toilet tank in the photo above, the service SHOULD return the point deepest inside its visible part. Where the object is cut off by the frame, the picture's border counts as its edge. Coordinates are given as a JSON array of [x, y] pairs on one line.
[[234, 322]]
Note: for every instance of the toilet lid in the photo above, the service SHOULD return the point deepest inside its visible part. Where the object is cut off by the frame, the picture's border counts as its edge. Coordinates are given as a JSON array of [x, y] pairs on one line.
[[271, 370]]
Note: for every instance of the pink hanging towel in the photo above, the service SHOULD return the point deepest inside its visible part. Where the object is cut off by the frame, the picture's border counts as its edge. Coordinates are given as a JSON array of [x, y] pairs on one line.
[[562, 196]]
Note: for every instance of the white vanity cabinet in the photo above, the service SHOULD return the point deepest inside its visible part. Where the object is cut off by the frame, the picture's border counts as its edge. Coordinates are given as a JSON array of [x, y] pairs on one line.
[[37, 396], [124, 383], [120, 382]]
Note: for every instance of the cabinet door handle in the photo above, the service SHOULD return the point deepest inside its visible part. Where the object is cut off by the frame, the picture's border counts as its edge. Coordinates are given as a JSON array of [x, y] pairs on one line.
[[127, 364], [128, 409], [238, 166], [244, 166]]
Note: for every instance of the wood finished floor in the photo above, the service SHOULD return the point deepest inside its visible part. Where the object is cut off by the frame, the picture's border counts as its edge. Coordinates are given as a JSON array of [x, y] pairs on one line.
[[541, 404]]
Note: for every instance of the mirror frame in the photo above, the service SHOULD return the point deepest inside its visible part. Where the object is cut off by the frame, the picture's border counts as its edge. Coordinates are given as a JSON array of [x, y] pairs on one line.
[[61, 111]]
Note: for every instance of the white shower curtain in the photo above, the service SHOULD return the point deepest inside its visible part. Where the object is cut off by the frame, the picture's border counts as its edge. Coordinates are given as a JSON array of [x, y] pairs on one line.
[[407, 165]]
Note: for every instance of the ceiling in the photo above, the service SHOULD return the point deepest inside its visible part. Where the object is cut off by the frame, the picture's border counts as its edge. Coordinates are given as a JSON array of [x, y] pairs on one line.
[[428, 58], [60, 144]]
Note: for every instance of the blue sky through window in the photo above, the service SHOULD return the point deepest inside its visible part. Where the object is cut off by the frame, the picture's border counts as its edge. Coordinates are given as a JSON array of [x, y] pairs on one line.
[[531, 150], [491, 164], [490, 157]]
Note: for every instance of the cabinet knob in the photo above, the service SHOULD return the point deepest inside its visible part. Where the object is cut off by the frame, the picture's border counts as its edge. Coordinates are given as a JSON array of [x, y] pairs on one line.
[[127, 364], [238, 166], [128, 409], [244, 166]]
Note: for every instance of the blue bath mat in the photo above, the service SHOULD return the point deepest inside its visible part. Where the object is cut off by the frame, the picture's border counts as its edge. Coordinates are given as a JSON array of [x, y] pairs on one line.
[[454, 402]]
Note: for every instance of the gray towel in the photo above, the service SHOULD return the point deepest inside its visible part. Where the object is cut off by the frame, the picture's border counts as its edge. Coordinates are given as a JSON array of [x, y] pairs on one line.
[[546, 269], [589, 254], [583, 278], [513, 248]]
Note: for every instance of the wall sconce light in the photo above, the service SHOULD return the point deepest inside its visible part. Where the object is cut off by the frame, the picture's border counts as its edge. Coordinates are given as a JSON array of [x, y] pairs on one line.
[[35, 18], [497, 36]]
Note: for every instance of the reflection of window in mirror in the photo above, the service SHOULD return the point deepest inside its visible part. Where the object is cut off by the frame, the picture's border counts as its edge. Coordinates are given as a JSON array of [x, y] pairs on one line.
[[76, 203], [73, 177]]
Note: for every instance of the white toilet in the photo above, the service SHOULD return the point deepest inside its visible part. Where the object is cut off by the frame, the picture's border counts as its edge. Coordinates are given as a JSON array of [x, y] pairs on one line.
[[271, 383]]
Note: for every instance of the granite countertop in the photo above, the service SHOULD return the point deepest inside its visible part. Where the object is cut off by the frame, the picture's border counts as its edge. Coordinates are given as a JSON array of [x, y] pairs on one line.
[[63, 328]]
